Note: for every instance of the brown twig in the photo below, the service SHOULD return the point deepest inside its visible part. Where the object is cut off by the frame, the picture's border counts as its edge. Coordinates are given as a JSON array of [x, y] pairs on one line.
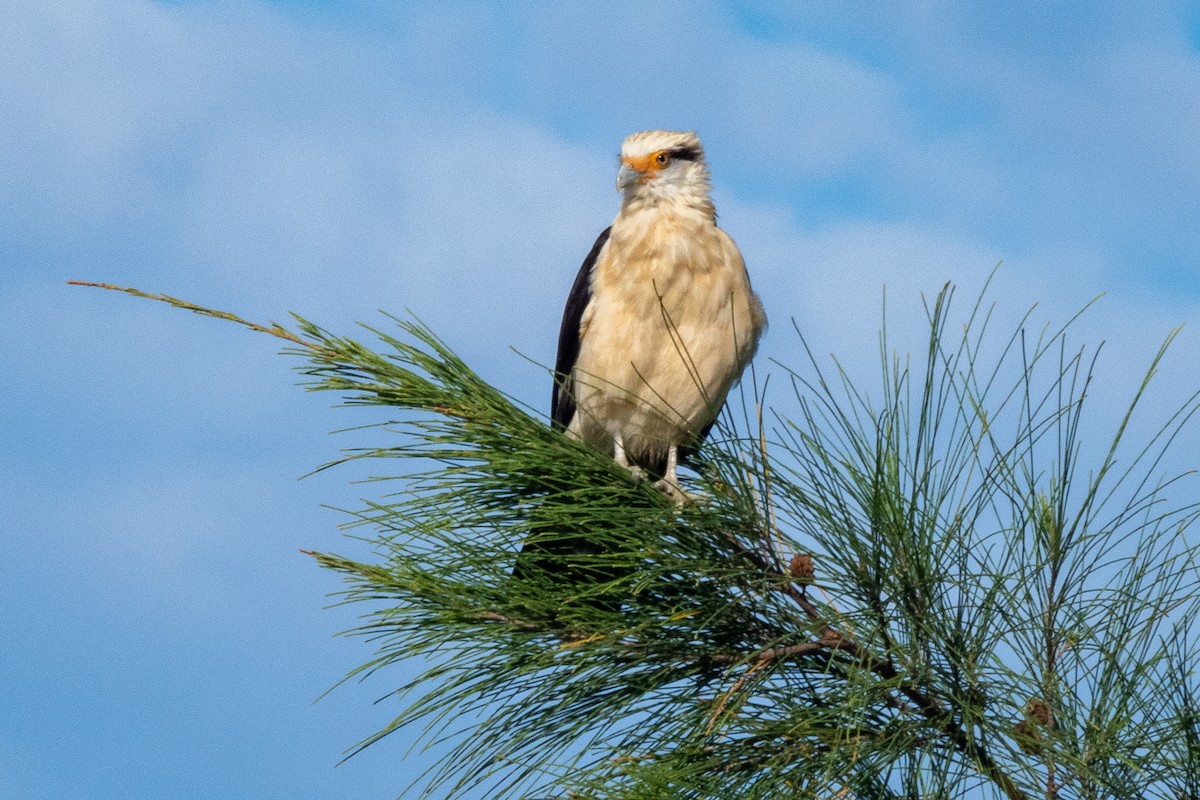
[[931, 708]]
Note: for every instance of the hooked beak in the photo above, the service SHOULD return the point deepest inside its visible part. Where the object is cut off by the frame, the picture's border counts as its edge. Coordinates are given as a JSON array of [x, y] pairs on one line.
[[627, 176]]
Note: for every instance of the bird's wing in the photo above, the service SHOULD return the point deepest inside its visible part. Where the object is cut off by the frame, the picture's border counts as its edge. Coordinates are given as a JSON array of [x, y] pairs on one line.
[[562, 399]]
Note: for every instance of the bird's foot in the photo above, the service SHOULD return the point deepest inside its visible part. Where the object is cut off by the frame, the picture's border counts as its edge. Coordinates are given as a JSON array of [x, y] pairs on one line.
[[671, 489], [637, 472]]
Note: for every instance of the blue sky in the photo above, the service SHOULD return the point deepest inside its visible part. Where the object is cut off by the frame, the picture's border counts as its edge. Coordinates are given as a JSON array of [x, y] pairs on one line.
[[163, 636]]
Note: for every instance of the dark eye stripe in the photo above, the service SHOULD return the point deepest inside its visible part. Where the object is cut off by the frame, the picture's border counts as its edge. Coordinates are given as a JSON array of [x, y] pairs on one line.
[[685, 154]]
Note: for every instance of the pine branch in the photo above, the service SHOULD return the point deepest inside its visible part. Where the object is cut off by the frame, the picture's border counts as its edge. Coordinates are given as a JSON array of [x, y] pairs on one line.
[[969, 577]]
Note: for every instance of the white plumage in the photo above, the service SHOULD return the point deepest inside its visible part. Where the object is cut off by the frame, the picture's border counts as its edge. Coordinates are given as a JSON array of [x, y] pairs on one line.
[[661, 321]]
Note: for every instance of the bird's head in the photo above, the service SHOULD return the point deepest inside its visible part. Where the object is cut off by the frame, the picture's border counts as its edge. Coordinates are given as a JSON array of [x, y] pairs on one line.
[[663, 165]]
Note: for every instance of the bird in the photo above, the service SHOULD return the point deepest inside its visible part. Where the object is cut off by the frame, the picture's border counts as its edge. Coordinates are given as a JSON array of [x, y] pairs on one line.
[[661, 319]]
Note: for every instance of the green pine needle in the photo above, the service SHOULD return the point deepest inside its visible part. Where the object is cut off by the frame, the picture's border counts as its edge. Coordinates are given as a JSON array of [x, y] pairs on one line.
[[928, 594]]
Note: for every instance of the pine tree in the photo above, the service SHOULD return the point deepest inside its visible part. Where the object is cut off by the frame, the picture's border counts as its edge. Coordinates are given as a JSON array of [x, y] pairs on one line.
[[924, 595]]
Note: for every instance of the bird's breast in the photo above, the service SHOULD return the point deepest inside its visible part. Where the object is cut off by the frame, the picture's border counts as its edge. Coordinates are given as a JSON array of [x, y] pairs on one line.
[[671, 324]]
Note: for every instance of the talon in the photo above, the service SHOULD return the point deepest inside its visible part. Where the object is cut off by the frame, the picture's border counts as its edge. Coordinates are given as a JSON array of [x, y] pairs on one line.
[[672, 490]]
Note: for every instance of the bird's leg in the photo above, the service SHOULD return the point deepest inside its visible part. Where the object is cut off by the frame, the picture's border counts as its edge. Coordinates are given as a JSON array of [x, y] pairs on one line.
[[619, 451], [669, 483], [623, 460]]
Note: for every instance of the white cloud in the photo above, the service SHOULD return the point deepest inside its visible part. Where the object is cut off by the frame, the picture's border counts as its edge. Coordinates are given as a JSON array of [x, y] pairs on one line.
[[459, 162], [284, 165], [830, 280], [235, 154], [1029, 130]]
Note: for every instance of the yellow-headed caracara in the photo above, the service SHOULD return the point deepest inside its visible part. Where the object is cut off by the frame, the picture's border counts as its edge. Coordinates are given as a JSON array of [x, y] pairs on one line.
[[661, 319]]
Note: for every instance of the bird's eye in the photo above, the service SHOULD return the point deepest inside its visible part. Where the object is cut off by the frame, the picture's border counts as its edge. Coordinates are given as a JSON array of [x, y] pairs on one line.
[[662, 158]]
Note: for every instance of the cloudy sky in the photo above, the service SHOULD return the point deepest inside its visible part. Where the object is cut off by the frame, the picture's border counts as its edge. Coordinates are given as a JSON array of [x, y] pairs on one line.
[[162, 635]]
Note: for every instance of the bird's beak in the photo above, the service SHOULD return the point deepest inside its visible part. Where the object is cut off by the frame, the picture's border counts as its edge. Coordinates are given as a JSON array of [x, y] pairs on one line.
[[627, 176]]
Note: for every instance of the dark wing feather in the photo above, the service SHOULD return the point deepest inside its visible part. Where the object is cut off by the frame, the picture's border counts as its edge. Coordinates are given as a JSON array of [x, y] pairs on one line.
[[549, 547], [562, 400]]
